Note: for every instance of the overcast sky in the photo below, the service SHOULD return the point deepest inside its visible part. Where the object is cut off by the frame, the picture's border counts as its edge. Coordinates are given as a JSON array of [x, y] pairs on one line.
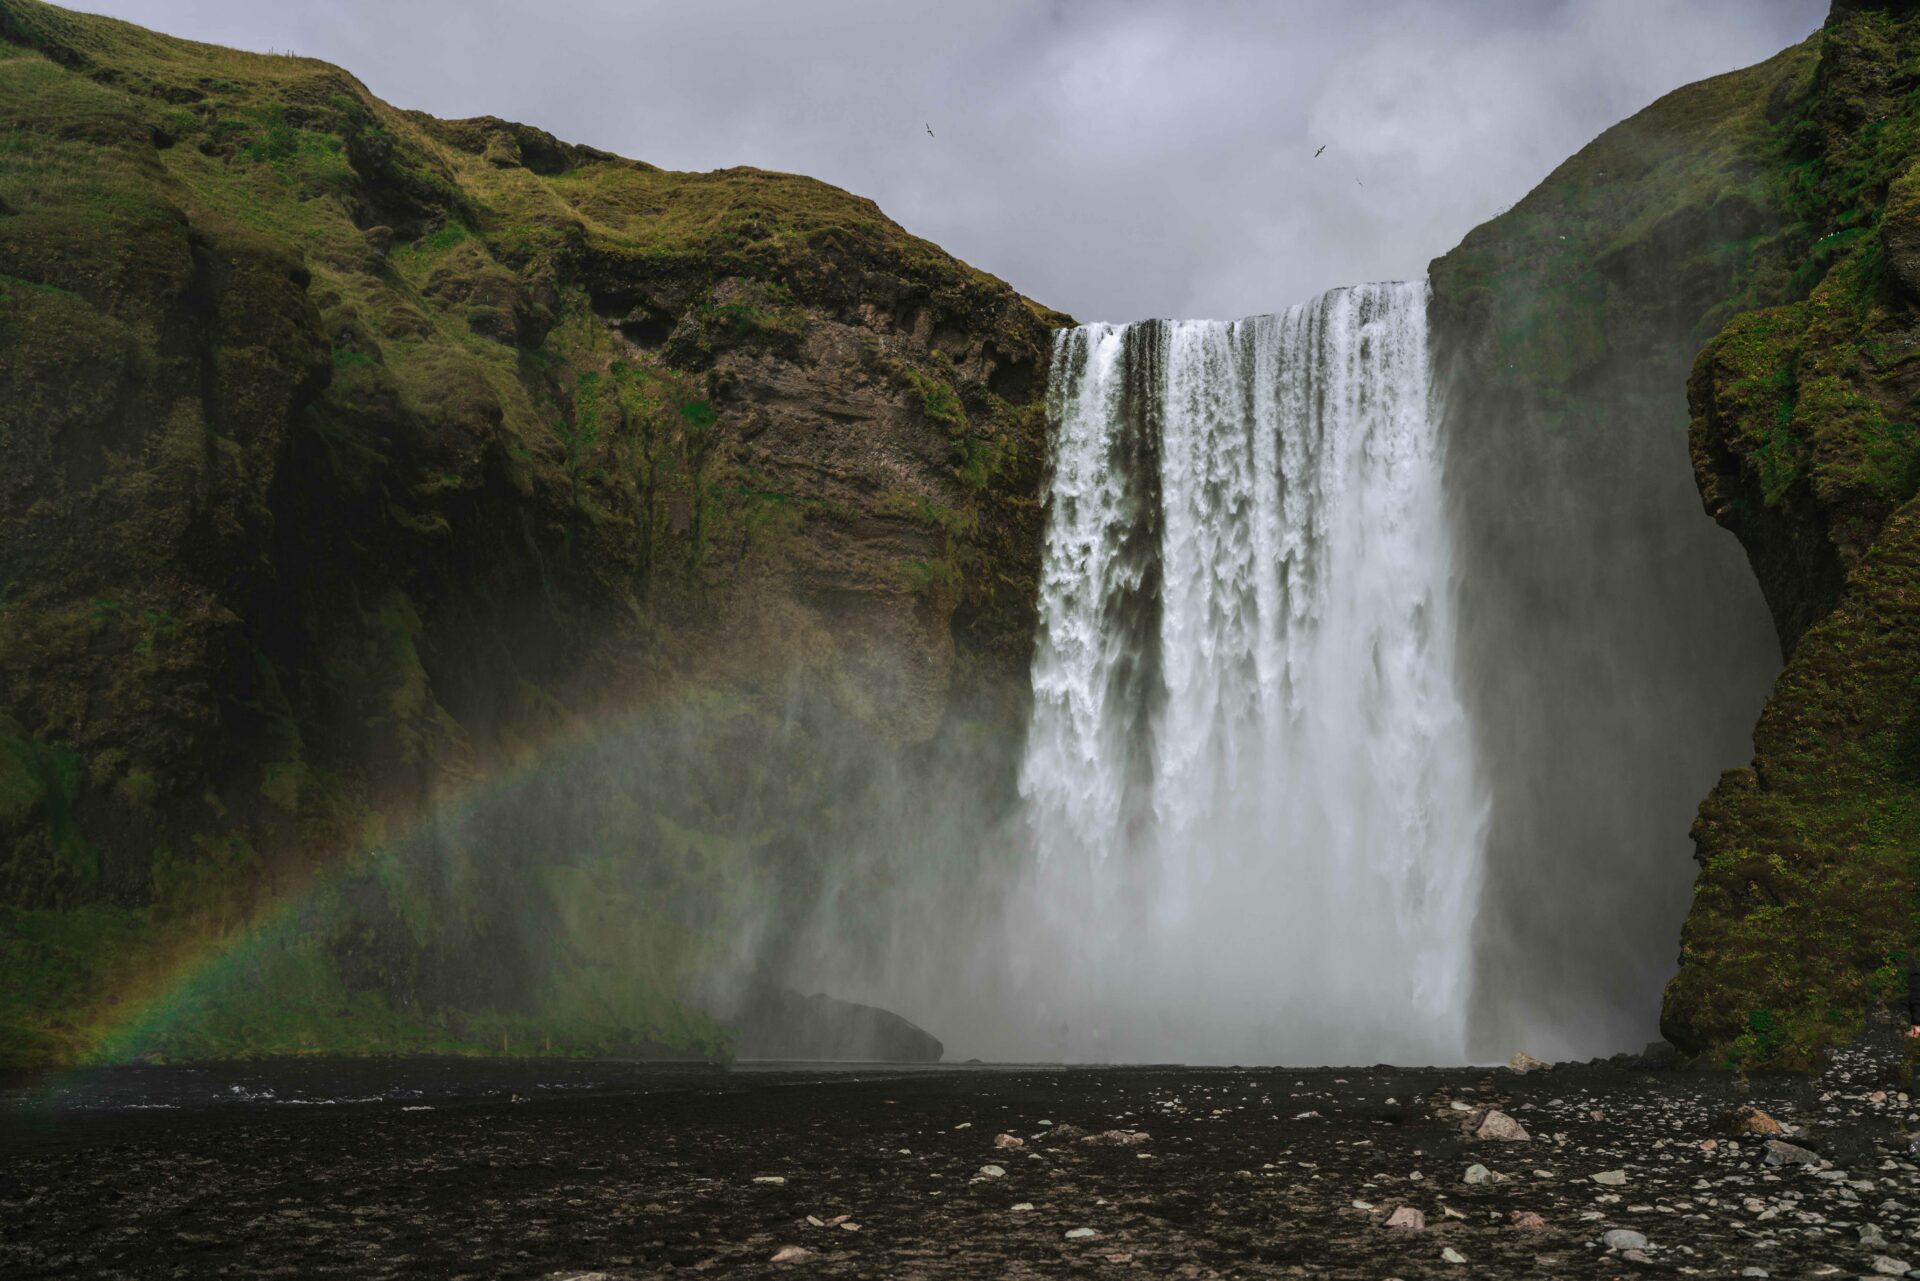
[[1113, 158]]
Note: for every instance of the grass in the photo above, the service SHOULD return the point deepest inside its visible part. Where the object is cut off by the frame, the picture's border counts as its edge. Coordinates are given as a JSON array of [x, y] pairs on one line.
[[310, 402]]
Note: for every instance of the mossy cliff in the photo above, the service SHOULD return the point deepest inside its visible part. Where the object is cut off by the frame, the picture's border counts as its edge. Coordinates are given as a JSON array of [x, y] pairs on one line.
[[1768, 216], [358, 461], [1614, 649], [1806, 440]]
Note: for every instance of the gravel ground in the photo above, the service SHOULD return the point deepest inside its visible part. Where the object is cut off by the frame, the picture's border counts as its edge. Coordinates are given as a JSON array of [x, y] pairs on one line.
[[543, 1170]]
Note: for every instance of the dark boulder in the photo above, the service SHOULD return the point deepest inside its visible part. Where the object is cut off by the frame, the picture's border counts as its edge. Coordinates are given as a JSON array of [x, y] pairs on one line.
[[774, 1022]]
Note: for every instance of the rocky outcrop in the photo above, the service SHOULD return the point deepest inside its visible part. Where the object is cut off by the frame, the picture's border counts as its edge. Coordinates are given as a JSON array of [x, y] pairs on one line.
[[1804, 441], [774, 1022], [366, 467], [1767, 215], [1612, 643]]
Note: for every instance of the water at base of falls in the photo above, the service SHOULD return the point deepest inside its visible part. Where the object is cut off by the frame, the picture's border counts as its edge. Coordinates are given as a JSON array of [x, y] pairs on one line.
[[1249, 781]]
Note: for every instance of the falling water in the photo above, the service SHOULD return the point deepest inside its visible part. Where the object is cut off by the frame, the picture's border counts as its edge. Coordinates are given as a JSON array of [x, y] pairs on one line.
[[1249, 779]]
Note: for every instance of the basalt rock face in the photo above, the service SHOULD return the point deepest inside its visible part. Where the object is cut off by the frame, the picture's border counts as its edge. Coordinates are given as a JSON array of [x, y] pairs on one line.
[[359, 460], [1805, 440]]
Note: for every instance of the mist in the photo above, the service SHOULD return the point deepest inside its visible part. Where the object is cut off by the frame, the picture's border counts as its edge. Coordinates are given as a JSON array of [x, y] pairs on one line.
[[1378, 737]]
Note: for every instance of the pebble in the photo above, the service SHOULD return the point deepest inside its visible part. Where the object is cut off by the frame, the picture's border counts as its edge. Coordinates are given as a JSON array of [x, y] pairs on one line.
[[775, 1179], [1409, 1218], [1623, 1239], [1478, 1174], [1611, 1178], [993, 1172], [1452, 1255], [792, 1254], [1080, 1234], [1888, 1267], [1022, 1207], [1498, 1125], [1008, 1141], [1779, 1153], [1751, 1120], [1526, 1219], [1118, 1138]]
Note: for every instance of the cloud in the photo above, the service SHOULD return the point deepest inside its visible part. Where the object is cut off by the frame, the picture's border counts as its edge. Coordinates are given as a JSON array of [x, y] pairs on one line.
[[1115, 159]]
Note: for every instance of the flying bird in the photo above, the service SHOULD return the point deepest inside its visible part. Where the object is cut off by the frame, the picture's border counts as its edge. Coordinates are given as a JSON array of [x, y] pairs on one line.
[[929, 131], [1323, 147]]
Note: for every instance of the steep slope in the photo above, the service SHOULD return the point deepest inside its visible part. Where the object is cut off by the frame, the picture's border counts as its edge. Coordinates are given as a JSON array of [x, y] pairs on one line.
[[374, 480], [1805, 440], [1614, 648]]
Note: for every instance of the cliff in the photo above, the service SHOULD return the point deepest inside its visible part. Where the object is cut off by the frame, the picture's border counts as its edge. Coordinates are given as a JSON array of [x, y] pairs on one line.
[[1615, 650], [1767, 216], [1805, 443], [378, 484]]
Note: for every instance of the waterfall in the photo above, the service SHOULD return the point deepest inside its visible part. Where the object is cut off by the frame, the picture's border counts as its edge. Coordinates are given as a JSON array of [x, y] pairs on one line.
[[1249, 782]]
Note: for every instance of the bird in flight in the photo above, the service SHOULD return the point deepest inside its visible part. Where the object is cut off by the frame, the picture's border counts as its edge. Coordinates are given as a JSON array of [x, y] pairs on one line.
[[1323, 147], [929, 131]]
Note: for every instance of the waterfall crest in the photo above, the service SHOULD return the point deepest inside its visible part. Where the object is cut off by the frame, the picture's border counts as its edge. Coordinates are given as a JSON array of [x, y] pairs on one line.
[[1249, 781]]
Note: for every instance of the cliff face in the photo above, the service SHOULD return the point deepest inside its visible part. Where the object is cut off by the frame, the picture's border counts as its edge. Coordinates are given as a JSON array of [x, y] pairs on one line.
[[1614, 648], [362, 465], [1804, 437]]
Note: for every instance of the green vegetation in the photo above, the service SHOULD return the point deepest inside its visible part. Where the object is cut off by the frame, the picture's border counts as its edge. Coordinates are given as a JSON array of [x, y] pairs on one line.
[[1804, 437], [358, 458]]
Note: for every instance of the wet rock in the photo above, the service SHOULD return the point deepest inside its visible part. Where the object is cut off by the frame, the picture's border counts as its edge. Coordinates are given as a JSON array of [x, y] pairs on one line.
[[1635, 1256], [1779, 1153], [792, 1254], [1499, 1126], [773, 1022], [1118, 1138], [1890, 1267], [1409, 1218], [1751, 1120], [1623, 1239]]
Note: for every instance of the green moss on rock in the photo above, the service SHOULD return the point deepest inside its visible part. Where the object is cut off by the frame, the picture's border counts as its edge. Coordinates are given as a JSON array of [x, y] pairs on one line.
[[359, 457]]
